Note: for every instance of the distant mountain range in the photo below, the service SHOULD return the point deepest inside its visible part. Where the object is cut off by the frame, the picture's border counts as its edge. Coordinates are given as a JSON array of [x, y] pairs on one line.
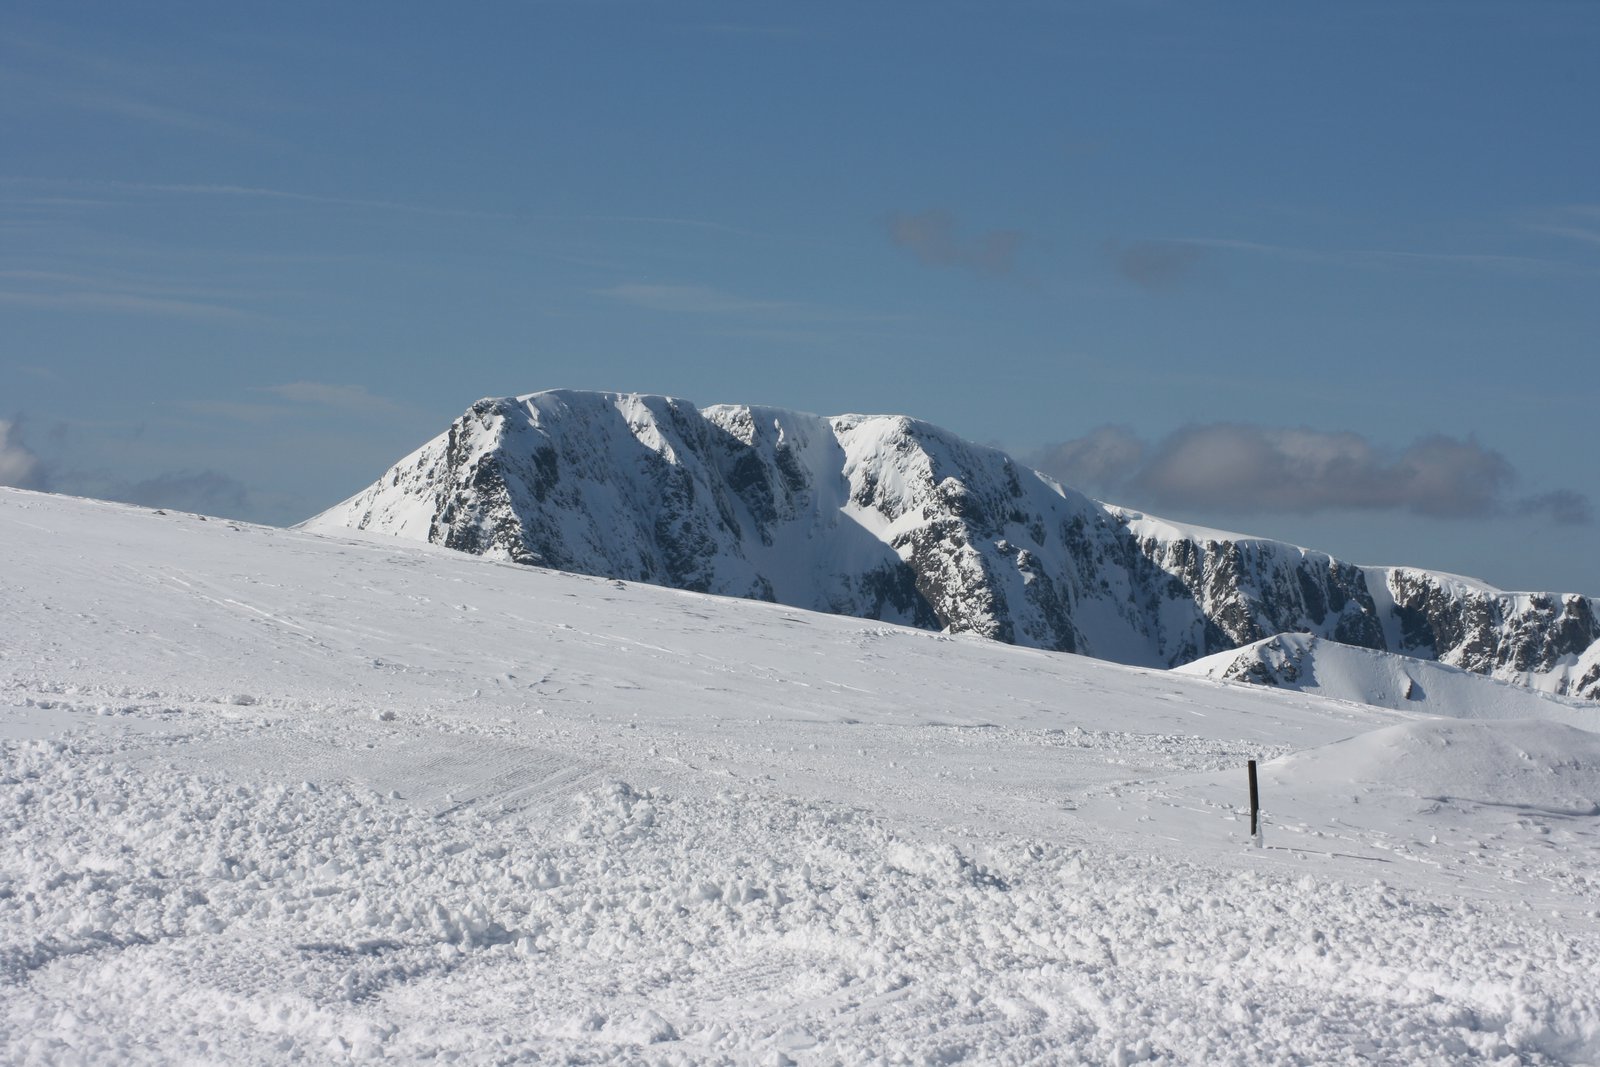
[[886, 517]]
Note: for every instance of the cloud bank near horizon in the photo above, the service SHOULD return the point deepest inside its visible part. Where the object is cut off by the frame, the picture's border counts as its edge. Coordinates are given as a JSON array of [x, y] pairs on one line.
[[20, 466], [204, 491], [1246, 469]]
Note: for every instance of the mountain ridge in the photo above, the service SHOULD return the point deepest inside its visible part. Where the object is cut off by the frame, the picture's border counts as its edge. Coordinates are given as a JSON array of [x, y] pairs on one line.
[[892, 518], [1305, 663]]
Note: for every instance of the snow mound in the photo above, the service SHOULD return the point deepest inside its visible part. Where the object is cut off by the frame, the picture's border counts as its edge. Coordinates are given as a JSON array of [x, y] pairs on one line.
[[1309, 664], [1541, 766]]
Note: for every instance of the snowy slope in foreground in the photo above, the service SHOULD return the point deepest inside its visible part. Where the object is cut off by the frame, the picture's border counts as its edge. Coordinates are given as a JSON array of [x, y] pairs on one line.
[[1307, 664], [268, 797]]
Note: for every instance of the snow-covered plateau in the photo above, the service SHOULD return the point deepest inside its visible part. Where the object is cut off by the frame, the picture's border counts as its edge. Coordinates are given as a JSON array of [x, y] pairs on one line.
[[274, 796]]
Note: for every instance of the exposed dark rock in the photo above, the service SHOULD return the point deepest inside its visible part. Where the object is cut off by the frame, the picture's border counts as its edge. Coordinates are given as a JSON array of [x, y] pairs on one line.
[[890, 518]]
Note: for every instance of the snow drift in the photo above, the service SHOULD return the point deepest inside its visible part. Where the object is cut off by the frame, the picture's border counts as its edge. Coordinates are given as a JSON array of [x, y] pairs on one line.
[[1540, 766]]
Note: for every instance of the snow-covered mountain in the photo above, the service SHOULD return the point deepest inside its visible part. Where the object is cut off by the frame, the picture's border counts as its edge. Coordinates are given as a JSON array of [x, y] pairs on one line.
[[1305, 663], [886, 517]]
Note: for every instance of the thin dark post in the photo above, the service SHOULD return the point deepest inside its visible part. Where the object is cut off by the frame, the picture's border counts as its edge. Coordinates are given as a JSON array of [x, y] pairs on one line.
[[1255, 799]]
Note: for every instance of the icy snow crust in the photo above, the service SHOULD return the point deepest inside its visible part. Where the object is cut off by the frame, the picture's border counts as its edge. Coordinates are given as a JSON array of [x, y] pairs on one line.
[[887, 518], [273, 797]]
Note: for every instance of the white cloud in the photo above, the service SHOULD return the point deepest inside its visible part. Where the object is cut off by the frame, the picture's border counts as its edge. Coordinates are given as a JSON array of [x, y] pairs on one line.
[[19, 466], [1105, 457]]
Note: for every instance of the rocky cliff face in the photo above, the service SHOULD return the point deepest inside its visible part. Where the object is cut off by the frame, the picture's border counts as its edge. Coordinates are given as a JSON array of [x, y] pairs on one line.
[[1307, 664], [888, 518], [1548, 640]]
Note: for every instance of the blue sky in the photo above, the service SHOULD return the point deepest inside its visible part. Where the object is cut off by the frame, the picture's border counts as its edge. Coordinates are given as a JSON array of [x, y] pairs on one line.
[[1328, 273]]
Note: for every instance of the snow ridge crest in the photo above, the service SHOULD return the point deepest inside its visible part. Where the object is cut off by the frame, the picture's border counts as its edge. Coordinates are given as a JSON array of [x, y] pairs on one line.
[[886, 517]]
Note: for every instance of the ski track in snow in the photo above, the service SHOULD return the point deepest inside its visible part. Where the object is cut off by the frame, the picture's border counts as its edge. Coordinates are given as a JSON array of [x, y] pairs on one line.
[[268, 797]]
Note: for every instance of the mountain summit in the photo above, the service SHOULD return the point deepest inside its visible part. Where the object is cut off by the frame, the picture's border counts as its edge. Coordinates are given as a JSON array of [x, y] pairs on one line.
[[886, 517]]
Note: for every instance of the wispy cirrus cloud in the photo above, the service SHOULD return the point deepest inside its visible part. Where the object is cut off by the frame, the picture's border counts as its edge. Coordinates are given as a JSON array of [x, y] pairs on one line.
[[693, 300], [1575, 222], [144, 111], [1258, 469], [153, 92], [1169, 249], [729, 314], [68, 192], [299, 400], [250, 411], [125, 303], [120, 281], [50, 290], [934, 237], [246, 192], [354, 398], [667, 221]]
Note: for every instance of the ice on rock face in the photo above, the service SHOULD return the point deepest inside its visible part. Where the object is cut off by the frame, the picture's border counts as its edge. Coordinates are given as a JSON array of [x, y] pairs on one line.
[[885, 517]]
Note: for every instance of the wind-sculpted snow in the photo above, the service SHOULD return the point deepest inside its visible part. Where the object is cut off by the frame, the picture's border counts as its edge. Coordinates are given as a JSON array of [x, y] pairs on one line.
[[273, 797], [1538, 766], [885, 517]]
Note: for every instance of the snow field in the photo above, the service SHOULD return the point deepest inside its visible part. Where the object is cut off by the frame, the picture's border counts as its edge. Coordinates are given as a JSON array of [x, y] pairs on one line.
[[273, 798], [193, 916]]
